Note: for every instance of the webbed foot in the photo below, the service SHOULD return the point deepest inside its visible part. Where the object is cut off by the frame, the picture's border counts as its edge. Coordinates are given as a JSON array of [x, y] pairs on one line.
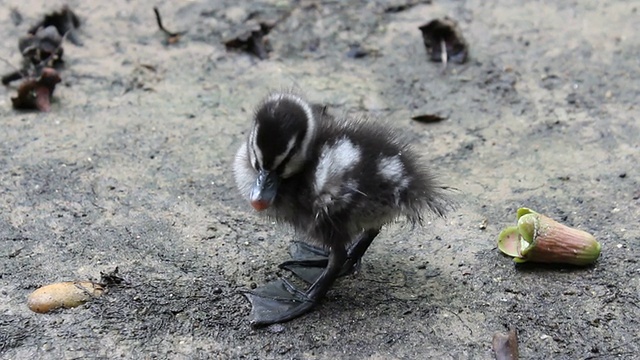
[[277, 302], [308, 262], [280, 301]]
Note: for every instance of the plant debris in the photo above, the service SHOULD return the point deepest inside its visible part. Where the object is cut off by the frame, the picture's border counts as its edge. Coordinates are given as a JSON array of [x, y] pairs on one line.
[[541, 239], [41, 51], [68, 294], [43, 48], [65, 21], [505, 345], [35, 93], [404, 5], [111, 278], [428, 118], [252, 39], [444, 41], [171, 37]]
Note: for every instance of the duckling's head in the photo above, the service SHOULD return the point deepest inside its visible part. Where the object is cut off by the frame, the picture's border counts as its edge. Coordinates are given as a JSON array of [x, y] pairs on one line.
[[283, 128]]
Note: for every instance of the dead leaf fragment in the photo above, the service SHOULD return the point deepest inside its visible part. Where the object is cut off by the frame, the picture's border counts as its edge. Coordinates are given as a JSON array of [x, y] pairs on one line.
[[42, 48], [65, 21], [251, 38], [428, 118], [444, 41], [36, 93]]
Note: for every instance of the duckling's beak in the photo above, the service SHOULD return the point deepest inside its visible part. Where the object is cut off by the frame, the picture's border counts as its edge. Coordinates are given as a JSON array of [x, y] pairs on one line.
[[264, 190]]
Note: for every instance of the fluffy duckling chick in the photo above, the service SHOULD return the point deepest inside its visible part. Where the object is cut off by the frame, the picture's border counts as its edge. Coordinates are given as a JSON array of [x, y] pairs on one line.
[[337, 182]]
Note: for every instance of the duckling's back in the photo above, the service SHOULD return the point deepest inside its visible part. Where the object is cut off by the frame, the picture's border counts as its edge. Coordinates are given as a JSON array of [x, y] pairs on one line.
[[360, 176]]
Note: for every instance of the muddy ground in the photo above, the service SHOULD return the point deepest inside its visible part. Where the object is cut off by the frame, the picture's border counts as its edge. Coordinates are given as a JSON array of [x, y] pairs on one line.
[[132, 169]]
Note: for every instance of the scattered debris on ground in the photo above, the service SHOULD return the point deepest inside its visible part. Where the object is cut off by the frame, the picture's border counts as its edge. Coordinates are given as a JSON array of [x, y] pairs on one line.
[[42, 51], [36, 93], [65, 21], [170, 36], [539, 238], [251, 38], [428, 118], [444, 41], [396, 7], [68, 294]]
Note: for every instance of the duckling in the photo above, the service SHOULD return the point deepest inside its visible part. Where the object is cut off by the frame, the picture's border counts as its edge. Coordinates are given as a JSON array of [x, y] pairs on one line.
[[336, 182]]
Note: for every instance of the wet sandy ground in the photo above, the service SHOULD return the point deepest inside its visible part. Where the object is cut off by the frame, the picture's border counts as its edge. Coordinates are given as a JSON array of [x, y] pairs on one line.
[[132, 169]]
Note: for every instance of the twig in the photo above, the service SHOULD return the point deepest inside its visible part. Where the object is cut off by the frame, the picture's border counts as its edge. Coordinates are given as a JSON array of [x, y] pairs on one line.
[[172, 37]]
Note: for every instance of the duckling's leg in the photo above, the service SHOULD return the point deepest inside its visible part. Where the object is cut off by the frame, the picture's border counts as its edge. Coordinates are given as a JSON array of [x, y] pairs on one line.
[[358, 249], [309, 261], [280, 301]]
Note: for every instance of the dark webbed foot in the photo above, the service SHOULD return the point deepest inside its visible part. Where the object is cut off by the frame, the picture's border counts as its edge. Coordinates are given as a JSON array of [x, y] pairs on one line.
[[308, 262], [277, 302], [280, 301]]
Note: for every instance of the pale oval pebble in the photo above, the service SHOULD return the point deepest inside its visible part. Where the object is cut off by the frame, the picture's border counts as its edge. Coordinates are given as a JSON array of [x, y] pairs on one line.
[[66, 294]]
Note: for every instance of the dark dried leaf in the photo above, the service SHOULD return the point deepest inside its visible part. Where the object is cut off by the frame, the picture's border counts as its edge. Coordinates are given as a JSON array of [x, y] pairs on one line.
[[12, 76], [65, 21], [111, 278], [44, 48], [396, 6], [36, 93], [428, 118], [251, 40], [444, 41]]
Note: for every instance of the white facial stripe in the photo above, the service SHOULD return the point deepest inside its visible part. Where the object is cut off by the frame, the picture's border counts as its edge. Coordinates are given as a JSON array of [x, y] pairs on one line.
[[278, 160], [254, 153], [335, 160]]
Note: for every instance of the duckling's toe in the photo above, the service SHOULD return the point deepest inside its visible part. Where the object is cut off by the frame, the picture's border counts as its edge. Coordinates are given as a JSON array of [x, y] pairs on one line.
[[309, 272], [308, 262], [302, 251], [276, 302]]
